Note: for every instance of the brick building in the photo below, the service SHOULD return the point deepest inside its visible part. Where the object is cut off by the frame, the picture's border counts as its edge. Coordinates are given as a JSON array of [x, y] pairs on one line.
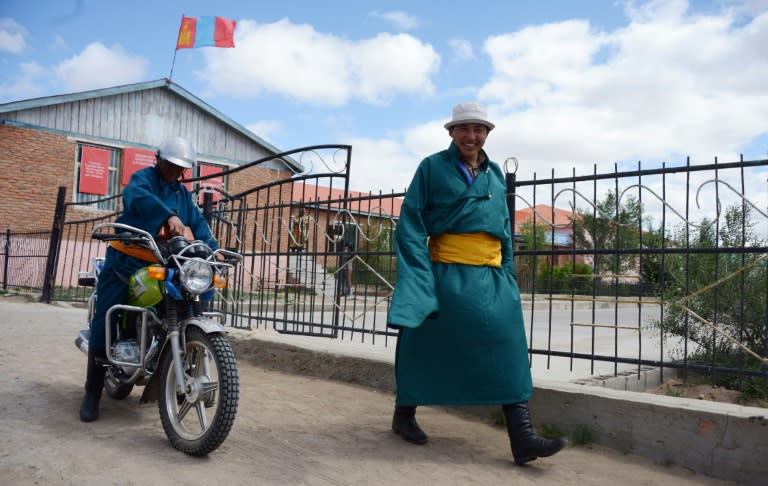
[[43, 142]]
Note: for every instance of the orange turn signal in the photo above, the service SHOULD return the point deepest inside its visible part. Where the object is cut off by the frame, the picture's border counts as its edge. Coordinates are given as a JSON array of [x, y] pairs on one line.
[[156, 273], [219, 282]]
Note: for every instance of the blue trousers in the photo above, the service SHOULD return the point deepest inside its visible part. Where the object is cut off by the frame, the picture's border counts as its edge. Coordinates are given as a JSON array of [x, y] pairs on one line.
[[112, 289]]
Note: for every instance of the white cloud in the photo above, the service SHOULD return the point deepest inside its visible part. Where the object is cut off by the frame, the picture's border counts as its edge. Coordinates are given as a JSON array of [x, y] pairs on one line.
[[388, 164], [668, 84], [318, 68], [747, 7], [377, 78], [12, 36], [462, 49], [99, 67], [399, 19], [26, 84], [381, 165], [665, 86], [265, 128], [656, 11]]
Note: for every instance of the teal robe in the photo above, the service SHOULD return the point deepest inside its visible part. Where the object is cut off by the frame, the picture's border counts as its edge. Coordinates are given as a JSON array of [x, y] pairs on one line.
[[461, 336]]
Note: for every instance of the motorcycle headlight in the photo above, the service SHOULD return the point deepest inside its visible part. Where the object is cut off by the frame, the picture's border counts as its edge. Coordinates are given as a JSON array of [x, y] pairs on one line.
[[196, 276]]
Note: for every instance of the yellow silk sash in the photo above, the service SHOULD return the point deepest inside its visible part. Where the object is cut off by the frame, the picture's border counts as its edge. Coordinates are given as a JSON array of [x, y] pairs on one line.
[[466, 248]]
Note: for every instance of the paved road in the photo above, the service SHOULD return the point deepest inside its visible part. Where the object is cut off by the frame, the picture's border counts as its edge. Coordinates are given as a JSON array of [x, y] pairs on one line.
[[634, 334], [290, 430]]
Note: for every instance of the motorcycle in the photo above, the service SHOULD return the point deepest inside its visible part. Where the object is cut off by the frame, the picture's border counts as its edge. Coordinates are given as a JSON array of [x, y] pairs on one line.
[[165, 339]]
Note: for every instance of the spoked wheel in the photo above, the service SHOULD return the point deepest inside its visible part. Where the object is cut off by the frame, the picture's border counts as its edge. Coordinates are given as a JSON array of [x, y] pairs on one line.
[[198, 419], [116, 389]]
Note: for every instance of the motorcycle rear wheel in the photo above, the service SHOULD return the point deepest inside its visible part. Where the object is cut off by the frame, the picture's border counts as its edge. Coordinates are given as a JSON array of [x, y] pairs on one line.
[[197, 422]]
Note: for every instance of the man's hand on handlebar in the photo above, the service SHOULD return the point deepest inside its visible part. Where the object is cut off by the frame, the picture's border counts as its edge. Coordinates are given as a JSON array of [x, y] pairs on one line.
[[177, 228]]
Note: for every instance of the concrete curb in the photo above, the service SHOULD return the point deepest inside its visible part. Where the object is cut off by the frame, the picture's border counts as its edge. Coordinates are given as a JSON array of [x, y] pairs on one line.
[[720, 440]]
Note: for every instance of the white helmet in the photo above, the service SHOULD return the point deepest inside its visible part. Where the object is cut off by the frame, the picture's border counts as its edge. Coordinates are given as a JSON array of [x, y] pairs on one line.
[[178, 151]]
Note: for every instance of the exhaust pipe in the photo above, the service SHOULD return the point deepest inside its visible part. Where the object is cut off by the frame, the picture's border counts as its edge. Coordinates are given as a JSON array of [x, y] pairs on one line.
[[81, 341]]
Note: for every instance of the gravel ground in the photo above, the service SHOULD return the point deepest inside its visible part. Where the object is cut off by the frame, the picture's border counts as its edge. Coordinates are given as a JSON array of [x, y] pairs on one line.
[[290, 429]]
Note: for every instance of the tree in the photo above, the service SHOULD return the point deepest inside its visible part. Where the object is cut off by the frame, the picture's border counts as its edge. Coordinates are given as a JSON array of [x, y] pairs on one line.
[[527, 266], [610, 226], [376, 246], [570, 278], [728, 289], [655, 270]]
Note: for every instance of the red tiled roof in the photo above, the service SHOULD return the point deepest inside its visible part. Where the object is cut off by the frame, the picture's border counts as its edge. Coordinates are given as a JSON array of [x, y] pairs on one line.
[[543, 216], [362, 202]]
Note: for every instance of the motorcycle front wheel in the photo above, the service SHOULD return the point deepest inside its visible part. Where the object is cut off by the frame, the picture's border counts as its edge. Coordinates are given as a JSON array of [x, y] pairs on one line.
[[197, 421]]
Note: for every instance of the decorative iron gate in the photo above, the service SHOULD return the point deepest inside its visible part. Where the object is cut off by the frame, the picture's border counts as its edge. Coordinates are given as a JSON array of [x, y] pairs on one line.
[[314, 261]]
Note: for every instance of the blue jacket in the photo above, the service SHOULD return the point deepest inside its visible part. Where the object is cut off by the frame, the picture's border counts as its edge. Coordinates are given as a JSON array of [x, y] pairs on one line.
[[148, 202]]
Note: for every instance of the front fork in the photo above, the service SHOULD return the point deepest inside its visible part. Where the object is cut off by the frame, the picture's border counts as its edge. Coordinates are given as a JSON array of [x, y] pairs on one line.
[[182, 386]]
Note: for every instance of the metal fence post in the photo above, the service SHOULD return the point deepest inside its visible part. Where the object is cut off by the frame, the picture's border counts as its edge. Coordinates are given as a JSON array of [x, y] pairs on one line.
[[208, 206], [7, 255], [511, 179], [53, 247]]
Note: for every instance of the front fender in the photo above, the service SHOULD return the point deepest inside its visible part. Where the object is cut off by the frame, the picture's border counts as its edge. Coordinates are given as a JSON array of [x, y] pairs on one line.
[[205, 324]]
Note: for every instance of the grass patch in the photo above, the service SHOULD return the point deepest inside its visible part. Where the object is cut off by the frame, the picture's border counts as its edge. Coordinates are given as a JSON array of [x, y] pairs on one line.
[[550, 431], [581, 435], [673, 393], [497, 418]]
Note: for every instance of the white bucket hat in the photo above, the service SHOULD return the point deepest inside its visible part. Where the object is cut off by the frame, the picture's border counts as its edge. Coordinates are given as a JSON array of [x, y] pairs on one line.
[[470, 113]]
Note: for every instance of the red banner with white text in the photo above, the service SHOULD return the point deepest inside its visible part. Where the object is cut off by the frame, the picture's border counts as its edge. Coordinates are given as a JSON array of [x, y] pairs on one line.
[[94, 171], [135, 159]]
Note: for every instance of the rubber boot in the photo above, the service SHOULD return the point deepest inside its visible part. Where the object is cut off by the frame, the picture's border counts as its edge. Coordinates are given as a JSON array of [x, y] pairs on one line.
[[527, 446], [404, 424], [94, 384]]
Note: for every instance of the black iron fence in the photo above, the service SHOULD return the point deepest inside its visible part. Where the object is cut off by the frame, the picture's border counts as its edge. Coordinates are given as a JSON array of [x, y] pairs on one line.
[[23, 256], [662, 267]]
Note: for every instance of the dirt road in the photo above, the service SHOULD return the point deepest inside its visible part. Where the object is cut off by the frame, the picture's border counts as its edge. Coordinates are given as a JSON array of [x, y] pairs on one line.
[[289, 430]]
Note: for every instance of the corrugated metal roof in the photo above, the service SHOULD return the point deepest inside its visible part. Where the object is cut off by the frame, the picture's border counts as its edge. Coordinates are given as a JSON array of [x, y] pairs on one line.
[[164, 83]]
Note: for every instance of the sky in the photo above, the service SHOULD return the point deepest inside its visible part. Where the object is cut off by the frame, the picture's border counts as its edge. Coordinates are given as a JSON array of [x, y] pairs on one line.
[[569, 85]]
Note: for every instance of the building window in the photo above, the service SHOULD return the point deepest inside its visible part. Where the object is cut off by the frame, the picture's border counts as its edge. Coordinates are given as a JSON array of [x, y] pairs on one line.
[[99, 178]]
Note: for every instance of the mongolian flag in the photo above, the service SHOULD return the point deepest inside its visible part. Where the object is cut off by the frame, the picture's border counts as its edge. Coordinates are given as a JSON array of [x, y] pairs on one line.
[[206, 31]]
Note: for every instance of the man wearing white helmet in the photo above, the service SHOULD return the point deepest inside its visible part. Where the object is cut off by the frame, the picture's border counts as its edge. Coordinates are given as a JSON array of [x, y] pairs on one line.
[[154, 198]]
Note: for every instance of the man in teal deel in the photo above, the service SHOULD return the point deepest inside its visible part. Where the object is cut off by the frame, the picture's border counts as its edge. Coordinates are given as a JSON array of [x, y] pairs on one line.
[[153, 198], [456, 301]]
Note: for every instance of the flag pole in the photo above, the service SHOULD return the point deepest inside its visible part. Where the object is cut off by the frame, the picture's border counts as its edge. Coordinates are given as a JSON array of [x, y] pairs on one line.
[[173, 63], [170, 76]]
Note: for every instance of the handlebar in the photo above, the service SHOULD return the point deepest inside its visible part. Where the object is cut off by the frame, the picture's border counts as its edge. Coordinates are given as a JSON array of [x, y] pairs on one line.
[[130, 234], [117, 237]]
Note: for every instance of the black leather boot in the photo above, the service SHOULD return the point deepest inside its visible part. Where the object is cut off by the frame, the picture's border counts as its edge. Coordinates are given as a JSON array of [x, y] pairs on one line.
[[404, 424], [94, 384], [527, 446]]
